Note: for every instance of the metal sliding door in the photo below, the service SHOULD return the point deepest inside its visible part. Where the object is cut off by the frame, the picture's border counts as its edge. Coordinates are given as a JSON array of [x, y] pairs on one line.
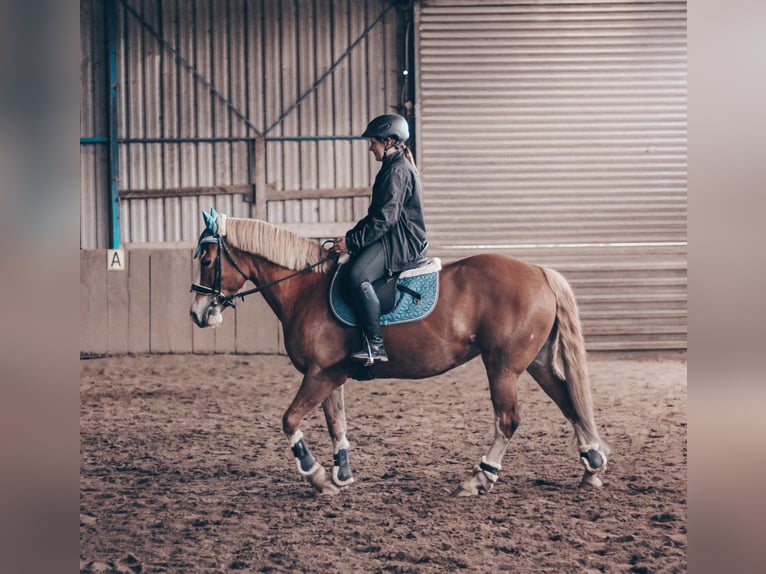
[[556, 132]]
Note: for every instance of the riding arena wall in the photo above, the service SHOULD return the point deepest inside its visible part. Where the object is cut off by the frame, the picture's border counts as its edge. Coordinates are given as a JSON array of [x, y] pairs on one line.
[[553, 132]]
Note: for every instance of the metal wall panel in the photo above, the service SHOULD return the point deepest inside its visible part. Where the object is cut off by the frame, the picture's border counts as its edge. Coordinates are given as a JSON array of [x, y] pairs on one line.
[[556, 132], [94, 184], [205, 70]]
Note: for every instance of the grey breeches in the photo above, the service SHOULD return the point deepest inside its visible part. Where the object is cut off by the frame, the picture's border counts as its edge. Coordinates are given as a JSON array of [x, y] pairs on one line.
[[368, 265]]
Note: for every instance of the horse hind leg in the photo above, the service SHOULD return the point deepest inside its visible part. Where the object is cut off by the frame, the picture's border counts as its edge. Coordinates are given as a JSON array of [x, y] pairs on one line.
[[503, 384], [552, 379]]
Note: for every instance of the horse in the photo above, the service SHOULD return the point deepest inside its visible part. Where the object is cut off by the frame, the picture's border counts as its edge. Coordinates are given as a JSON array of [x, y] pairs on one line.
[[516, 316]]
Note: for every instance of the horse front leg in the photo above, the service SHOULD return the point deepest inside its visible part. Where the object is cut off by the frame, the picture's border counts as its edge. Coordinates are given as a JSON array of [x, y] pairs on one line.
[[315, 388], [503, 389], [335, 415]]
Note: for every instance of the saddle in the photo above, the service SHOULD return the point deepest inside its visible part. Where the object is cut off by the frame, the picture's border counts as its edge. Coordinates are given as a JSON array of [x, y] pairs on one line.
[[404, 297]]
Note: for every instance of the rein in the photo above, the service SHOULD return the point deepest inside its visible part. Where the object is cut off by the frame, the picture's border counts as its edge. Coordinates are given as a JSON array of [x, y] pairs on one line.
[[228, 300]]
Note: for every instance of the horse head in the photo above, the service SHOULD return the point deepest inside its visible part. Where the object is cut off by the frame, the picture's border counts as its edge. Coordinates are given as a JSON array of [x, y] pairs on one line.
[[220, 275], [268, 254]]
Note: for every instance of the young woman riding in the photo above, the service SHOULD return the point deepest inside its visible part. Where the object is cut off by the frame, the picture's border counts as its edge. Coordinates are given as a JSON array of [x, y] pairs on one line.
[[392, 236]]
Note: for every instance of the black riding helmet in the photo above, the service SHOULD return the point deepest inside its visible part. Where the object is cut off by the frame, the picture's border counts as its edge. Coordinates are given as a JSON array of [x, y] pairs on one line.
[[388, 126]]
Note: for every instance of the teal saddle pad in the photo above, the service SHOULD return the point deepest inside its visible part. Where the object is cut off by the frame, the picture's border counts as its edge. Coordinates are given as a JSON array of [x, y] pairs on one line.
[[414, 298]]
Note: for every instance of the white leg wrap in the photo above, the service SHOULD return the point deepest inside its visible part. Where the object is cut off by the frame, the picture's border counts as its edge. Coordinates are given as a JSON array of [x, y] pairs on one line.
[[296, 437], [485, 467], [341, 444]]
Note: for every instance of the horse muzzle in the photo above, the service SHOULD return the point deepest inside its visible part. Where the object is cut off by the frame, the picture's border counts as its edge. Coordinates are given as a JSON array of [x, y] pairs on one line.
[[205, 312]]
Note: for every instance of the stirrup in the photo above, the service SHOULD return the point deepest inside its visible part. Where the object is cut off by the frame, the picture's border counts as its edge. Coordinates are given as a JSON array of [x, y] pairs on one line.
[[369, 354]]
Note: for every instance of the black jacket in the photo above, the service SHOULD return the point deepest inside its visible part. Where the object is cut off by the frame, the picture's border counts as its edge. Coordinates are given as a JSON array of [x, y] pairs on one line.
[[395, 216]]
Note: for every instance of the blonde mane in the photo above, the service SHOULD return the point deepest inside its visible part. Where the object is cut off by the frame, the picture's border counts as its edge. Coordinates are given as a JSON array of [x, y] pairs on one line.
[[278, 245]]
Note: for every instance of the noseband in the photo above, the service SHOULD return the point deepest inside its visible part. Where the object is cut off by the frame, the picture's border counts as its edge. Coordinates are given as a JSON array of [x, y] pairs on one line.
[[228, 300]]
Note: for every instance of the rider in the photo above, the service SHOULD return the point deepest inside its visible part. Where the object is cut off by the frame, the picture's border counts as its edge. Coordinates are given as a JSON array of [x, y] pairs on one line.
[[392, 236]]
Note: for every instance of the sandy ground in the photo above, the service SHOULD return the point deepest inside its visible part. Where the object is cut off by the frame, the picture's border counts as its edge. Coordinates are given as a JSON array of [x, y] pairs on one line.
[[184, 469]]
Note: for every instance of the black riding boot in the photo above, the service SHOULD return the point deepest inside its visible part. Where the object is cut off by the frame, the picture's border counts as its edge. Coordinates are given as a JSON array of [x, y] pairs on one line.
[[368, 310]]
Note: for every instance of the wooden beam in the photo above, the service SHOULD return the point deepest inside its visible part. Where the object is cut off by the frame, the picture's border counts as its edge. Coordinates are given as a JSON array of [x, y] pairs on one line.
[[273, 194], [184, 191], [270, 192]]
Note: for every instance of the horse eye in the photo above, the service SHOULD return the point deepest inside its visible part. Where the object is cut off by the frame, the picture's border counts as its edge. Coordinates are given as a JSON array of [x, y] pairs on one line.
[[205, 262]]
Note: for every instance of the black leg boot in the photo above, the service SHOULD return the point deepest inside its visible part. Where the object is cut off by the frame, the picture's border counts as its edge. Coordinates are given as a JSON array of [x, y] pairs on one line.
[[368, 308]]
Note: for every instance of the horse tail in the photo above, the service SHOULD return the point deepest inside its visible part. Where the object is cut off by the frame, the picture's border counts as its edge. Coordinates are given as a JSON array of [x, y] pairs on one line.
[[568, 352]]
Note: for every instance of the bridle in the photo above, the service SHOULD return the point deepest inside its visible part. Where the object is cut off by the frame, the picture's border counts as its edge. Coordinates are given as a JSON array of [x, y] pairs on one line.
[[221, 298], [228, 300]]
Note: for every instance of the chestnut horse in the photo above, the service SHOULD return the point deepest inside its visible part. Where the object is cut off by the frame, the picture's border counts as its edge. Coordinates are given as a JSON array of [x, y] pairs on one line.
[[516, 316]]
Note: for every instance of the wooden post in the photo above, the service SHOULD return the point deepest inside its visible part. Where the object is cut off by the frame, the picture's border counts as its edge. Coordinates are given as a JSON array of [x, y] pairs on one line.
[[259, 171]]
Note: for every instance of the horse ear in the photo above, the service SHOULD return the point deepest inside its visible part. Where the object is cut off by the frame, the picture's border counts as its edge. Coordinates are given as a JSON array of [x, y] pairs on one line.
[[221, 224]]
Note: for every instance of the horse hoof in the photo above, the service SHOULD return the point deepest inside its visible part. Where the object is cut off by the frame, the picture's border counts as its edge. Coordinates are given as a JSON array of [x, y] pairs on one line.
[[462, 491], [318, 478], [329, 489], [591, 480]]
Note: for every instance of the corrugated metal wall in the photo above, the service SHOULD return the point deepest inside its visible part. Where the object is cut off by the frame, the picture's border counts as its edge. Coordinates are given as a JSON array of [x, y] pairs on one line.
[[192, 72], [94, 183], [553, 131], [556, 132]]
